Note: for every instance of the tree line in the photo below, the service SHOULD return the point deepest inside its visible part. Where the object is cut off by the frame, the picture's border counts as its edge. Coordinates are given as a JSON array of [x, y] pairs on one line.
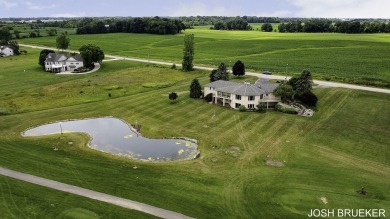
[[327, 26], [155, 25], [233, 24]]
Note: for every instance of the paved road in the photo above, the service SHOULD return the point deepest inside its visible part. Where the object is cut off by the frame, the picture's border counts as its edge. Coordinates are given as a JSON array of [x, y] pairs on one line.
[[321, 83], [159, 212]]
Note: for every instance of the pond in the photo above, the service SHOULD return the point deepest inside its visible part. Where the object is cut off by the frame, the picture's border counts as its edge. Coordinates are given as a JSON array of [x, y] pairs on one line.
[[114, 136]]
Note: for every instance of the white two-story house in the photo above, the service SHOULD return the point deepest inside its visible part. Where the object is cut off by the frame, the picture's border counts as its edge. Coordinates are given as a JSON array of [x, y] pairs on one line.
[[6, 51], [59, 62], [233, 95]]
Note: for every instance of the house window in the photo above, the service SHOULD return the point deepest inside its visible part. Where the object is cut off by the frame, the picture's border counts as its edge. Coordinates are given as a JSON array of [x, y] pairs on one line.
[[251, 98], [261, 96], [238, 97], [266, 95], [251, 106], [237, 105]]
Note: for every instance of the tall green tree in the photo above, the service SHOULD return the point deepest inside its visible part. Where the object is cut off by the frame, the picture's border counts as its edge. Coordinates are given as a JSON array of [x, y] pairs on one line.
[[238, 68], [91, 53], [5, 35], [188, 53], [304, 82], [195, 89], [63, 41]]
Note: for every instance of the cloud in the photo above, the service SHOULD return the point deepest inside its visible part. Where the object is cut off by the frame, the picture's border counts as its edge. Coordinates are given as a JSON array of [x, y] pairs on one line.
[[342, 9], [33, 6], [8, 4], [203, 9], [80, 14]]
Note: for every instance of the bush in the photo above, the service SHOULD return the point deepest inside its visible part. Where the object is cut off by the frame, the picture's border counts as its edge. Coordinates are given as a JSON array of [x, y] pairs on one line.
[[261, 108], [285, 109], [209, 97], [242, 108], [173, 66], [309, 98]]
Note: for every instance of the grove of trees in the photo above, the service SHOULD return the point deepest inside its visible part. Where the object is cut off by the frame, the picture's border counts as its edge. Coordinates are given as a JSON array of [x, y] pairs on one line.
[[267, 27], [232, 24], [154, 25], [328, 26]]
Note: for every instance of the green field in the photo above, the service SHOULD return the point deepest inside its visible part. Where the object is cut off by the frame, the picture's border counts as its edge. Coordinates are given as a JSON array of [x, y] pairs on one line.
[[350, 58], [343, 147]]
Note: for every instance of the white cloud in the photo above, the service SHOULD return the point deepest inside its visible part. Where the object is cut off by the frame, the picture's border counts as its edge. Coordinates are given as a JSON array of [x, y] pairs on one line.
[[8, 4], [342, 8], [80, 14], [281, 13], [33, 6], [203, 9]]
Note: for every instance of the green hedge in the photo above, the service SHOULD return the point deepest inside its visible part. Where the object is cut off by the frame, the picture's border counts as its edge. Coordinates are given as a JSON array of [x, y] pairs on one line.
[[285, 109]]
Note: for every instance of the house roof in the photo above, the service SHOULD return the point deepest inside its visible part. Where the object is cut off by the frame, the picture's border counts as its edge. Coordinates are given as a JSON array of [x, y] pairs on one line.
[[244, 89], [54, 57], [77, 57], [263, 83]]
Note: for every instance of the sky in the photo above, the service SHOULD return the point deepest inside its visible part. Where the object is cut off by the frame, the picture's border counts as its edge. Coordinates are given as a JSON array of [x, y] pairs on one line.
[[141, 8]]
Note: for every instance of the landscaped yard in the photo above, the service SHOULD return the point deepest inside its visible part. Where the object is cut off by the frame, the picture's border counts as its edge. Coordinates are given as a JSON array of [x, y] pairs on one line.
[[343, 147]]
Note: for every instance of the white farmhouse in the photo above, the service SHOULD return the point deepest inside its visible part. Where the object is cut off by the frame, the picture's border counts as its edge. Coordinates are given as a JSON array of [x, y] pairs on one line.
[[59, 62], [6, 51], [233, 95]]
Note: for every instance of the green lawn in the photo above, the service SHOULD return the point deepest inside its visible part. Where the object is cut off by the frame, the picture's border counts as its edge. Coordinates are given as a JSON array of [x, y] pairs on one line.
[[351, 58], [343, 147]]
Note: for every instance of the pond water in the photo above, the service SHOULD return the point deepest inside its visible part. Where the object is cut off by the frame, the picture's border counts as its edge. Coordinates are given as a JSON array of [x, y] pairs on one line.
[[114, 136]]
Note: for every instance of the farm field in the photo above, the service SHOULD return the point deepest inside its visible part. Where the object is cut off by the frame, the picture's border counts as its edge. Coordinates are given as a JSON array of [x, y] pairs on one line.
[[327, 157], [360, 58]]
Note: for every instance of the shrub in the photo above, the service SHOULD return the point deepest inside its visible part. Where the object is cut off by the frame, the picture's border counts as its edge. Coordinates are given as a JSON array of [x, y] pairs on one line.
[[285, 109], [309, 98], [208, 97], [261, 108], [173, 66], [242, 108]]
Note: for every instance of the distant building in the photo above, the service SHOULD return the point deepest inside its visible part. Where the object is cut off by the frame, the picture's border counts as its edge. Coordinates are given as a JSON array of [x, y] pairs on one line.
[[234, 95], [6, 51], [59, 62]]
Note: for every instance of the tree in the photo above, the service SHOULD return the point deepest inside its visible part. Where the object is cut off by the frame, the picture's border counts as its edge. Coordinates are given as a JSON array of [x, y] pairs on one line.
[[173, 96], [91, 53], [5, 35], [52, 32], [195, 89], [266, 27], [43, 55], [188, 53], [63, 41], [284, 91], [238, 68], [303, 83], [219, 74]]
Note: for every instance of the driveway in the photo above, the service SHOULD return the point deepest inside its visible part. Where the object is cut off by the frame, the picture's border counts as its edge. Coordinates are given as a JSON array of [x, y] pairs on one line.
[[125, 203]]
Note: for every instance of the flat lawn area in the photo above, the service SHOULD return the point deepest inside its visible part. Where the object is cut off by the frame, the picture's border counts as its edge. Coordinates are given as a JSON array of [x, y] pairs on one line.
[[332, 155], [25, 200], [350, 58]]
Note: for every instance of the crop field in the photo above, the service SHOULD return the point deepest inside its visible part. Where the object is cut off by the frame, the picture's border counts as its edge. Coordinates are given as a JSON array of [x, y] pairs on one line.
[[327, 158], [350, 58]]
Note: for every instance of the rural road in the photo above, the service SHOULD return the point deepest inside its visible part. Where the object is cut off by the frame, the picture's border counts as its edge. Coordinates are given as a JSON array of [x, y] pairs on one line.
[[278, 77], [159, 212]]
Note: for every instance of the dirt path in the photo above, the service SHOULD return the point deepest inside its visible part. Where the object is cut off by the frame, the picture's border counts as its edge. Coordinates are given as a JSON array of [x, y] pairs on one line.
[[278, 77], [159, 212]]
